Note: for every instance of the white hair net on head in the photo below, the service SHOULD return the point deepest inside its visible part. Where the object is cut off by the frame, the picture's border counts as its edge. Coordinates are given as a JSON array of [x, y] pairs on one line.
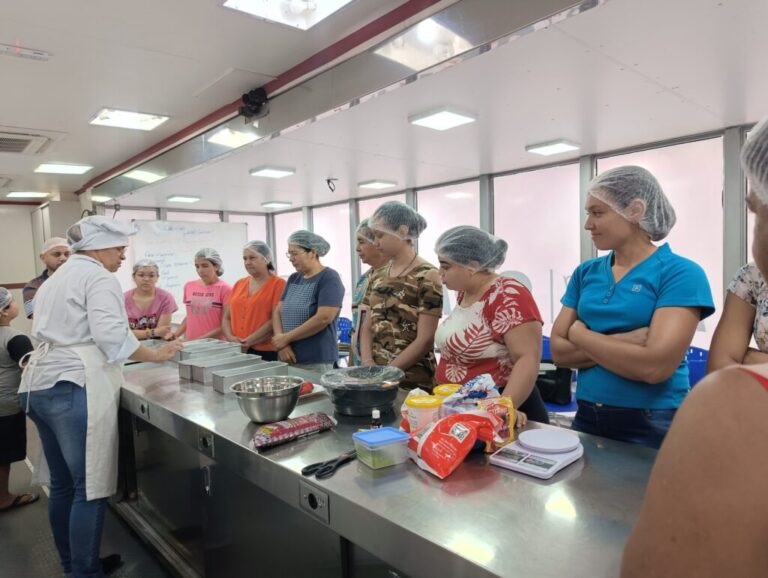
[[213, 256], [262, 249], [99, 232], [365, 231], [619, 187], [54, 243], [309, 241], [471, 248], [5, 298], [145, 263], [392, 215], [754, 160]]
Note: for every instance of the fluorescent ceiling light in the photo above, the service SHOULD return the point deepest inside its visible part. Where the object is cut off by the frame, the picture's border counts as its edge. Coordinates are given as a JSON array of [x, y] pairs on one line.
[[377, 184], [458, 195], [182, 199], [143, 176], [100, 198], [441, 119], [301, 14], [424, 45], [61, 169], [26, 195], [272, 172], [128, 119], [277, 204], [232, 138], [554, 147]]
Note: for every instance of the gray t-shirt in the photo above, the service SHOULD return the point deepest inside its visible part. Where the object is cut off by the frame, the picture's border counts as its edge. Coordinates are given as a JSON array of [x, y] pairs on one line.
[[13, 346]]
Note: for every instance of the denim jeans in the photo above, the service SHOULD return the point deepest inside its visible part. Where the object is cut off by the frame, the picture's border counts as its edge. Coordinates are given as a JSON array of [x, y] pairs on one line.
[[60, 414], [645, 427]]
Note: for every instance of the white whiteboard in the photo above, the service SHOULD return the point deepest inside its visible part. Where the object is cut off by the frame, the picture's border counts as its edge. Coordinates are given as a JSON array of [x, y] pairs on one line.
[[173, 244]]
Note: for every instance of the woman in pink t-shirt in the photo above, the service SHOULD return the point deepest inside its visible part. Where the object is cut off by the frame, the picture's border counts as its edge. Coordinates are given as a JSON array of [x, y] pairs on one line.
[[149, 308], [205, 298]]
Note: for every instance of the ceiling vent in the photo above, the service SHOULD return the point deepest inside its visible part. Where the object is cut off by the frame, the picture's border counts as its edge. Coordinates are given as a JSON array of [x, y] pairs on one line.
[[23, 144]]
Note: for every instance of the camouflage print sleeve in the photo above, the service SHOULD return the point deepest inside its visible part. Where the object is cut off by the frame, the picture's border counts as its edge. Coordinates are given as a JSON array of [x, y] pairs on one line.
[[430, 294]]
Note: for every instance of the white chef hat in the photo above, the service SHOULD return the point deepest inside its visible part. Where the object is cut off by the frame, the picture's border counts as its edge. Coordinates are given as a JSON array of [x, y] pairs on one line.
[[98, 232], [52, 243]]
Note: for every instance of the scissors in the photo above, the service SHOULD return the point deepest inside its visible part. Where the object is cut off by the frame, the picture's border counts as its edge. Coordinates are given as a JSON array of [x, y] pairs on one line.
[[323, 470]]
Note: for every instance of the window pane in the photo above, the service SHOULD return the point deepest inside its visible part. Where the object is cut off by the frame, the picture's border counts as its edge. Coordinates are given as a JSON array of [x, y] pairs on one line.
[[256, 225], [537, 214], [193, 217], [446, 207], [691, 175], [366, 207], [332, 223], [285, 224]]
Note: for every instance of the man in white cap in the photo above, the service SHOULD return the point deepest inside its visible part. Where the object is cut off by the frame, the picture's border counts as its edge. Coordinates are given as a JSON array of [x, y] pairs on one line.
[[54, 254], [71, 385]]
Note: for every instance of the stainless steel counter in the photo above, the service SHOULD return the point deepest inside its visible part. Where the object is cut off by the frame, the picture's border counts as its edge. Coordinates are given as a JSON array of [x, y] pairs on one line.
[[480, 521]]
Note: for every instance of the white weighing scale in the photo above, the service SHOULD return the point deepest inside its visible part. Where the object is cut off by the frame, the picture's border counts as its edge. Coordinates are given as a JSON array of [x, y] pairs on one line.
[[540, 452]]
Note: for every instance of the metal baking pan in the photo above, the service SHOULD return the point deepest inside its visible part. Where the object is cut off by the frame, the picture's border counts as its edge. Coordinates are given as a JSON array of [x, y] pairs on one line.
[[186, 366], [222, 379], [204, 373], [192, 350]]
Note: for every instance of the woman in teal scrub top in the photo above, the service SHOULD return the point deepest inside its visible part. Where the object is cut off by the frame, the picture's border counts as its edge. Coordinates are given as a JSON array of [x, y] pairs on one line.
[[629, 317]]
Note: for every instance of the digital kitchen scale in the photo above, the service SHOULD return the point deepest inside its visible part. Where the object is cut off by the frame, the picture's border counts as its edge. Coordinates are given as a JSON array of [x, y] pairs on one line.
[[540, 452]]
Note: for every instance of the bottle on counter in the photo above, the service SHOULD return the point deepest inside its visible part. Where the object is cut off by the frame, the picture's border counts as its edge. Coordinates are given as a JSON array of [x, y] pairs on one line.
[[375, 419]]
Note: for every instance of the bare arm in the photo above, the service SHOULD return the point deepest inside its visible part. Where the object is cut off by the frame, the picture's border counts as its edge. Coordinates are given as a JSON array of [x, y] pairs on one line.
[[419, 347], [159, 355], [524, 345], [706, 511], [226, 326], [669, 336], [564, 352], [323, 318], [730, 342], [181, 330], [260, 335], [366, 341]]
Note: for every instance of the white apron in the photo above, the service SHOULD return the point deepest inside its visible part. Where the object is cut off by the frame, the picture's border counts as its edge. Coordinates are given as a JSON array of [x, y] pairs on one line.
[[103, 381]]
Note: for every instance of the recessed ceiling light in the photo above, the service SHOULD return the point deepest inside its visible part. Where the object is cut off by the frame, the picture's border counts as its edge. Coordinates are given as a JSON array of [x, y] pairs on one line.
[[128, 119], [301, 14], [143, 176], [26, 195], [377, 184], [182, 199], [554, 147], [21, 52], [441, 119], [232, 138], [424, 45], [100, 198], [62, 169], [277, 204], [458, 195], [272, 172]]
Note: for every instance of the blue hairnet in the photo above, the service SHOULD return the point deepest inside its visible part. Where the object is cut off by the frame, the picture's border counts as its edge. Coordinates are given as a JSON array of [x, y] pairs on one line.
[[310, 241], [213, 256], [472, 248], [619, 187], [392, 215], [754, 160]]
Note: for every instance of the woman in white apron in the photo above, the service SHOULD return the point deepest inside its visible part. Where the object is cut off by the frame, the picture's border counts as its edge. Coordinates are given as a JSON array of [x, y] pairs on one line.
[[74, 379]]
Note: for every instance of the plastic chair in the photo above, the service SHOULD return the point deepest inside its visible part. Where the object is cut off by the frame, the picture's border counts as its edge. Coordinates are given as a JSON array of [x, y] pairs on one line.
[[344, 329], [546, 352], [697, 364]]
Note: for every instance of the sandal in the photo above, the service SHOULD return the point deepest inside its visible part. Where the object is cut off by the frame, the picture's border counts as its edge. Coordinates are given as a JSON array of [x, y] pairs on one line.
[[18, 503]]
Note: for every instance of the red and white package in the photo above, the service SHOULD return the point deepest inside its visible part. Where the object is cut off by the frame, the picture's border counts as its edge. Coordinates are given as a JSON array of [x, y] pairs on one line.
[[441, 447], [277, 433], [405, 425]]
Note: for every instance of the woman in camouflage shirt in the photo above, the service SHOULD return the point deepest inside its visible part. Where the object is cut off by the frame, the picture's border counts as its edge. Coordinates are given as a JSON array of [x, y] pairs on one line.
[[404, 299]]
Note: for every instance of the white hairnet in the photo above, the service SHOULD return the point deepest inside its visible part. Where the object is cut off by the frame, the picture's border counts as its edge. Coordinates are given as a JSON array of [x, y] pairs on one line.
[[213, 256], [754, 160], [471, 248], [310, 241], [365, 231], [620, 186], [392, 215], [5, 298], [53, 243], [145, 263], [99, 232], [262, 249]]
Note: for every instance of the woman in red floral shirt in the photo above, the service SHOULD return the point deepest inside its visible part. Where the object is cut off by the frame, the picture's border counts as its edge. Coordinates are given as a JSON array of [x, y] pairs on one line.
[[495, 327]]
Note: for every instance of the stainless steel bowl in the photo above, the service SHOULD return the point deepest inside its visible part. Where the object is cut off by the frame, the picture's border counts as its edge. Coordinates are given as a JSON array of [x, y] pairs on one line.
[[267, 398]]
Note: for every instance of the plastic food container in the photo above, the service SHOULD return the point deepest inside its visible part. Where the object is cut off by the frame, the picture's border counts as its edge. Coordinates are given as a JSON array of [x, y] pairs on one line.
[[382, 447], [423, 410], [443, 391]]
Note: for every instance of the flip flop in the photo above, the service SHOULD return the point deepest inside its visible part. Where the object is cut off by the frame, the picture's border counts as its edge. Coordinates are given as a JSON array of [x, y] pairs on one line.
[[17, 503]]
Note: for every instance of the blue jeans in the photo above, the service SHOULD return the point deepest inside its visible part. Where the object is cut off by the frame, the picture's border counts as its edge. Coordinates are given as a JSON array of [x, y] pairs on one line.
[[60, 414], [645, 427]]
